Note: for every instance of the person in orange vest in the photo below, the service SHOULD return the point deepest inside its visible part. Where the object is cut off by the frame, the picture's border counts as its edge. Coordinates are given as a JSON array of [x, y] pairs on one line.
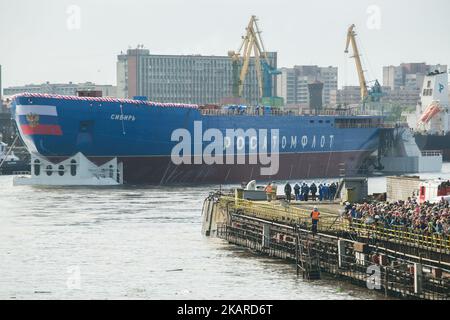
[[268, 189], [315, 214]]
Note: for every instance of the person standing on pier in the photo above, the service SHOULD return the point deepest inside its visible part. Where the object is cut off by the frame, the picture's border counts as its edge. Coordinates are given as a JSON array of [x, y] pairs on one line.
[[297, 192], [288, 191], [326, 191], [313, 191], [333, 190], [321, 192], [315, 216], [268, 189], [302, 192], [306, 193]]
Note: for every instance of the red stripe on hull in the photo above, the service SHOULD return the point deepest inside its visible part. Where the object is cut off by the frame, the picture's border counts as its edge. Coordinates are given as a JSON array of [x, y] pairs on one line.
[[42, 129]]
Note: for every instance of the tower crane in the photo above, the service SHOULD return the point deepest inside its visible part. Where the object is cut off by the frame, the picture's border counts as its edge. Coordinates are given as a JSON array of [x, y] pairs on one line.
[[252, 42]]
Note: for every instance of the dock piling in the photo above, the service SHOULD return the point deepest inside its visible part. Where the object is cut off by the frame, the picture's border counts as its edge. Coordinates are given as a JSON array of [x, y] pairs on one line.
[[418, 275]]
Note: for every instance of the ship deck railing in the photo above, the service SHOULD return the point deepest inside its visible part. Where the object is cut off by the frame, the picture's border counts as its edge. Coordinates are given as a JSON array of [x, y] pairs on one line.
[[365, 126], [253, 111], [334, 223], [260, 112]]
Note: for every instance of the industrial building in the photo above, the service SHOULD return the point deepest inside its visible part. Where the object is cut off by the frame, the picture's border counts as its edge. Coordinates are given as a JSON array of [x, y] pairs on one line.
[[183, 78]]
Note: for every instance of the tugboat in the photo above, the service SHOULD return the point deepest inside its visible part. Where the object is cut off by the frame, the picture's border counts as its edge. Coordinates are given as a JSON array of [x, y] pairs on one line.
[[10, 163]]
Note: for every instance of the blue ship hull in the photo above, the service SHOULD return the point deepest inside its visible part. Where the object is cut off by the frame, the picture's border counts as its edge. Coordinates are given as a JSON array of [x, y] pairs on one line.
[[140, 134]]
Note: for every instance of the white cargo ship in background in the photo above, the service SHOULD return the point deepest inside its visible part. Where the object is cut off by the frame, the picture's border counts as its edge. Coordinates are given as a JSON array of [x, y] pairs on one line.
[[431, 121]]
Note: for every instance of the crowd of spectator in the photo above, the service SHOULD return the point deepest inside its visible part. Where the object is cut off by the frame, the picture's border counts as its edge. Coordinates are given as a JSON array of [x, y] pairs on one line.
[[426, 218]]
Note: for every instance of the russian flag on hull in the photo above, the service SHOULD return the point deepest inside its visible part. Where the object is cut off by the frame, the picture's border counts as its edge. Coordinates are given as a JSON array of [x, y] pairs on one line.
[[38, 120]]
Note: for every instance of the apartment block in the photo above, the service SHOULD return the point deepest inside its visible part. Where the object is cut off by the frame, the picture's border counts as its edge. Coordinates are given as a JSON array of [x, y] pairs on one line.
[[183, 78], [293, 83]]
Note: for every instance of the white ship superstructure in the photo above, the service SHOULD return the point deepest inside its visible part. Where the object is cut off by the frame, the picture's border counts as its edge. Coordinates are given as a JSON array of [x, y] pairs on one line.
[[432, 116]]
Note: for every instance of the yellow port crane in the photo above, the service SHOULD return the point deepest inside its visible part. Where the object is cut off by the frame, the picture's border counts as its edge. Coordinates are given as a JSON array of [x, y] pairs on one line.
[[251, 42], [351, 38]]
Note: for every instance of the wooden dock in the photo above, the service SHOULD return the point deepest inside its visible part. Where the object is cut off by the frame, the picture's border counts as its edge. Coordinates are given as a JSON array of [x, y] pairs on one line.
[[394, 265]]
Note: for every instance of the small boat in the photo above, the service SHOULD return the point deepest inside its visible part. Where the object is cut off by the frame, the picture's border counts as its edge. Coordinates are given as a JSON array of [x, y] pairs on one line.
[[10, 163]]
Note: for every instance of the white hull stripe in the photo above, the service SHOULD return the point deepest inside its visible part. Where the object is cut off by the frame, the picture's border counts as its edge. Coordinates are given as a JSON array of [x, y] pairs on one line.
[[36, 109]]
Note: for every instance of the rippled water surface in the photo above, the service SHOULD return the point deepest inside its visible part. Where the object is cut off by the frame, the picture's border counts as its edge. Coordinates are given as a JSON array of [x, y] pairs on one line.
[[135, 243]]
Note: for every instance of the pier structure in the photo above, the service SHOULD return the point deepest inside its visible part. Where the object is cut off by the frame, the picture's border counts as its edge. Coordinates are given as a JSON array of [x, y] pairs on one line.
[[395, 262]]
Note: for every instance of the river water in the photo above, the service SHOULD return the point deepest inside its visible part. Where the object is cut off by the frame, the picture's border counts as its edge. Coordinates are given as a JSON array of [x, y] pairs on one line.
[[136, 243]]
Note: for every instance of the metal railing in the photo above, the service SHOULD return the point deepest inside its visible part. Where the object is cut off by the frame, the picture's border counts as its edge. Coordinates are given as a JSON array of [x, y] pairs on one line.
[[331, 222], [253, 111], [396, 278], [364, 125], [399, 233], [278, 213]]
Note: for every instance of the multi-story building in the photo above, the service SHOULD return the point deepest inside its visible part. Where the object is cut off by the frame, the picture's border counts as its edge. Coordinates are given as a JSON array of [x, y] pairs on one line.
[[62, 88], [393, 77], [293, 83], [408, 75], [351, 96], [183, 78], [347, 96], [405, 97], [402, 84]]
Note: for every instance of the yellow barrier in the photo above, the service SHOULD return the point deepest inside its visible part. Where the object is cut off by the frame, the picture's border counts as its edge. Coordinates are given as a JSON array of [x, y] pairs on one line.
[[278, 213], [397, 233], [276, 208], [332, 222]]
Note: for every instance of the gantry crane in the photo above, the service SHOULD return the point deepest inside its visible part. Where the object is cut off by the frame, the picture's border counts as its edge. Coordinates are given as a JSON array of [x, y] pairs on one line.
[[252, 42]]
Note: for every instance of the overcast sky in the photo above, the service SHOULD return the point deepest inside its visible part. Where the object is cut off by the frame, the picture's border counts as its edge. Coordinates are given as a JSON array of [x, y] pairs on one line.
[[46, 40]]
